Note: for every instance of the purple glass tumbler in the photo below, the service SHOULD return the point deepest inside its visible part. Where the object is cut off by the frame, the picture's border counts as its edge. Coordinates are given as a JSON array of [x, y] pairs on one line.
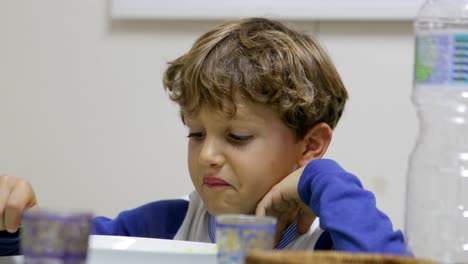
[[55, 237]]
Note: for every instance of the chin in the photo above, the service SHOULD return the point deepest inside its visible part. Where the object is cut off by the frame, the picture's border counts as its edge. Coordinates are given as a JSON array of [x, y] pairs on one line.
[[217, 205], [216, 209], [213, 210]]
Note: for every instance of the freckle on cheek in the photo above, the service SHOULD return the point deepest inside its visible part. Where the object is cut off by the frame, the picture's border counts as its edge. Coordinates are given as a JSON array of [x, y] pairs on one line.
[[272, 164]]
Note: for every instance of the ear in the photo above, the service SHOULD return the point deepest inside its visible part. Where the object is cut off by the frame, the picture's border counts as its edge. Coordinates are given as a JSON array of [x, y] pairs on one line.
[[315, 143]]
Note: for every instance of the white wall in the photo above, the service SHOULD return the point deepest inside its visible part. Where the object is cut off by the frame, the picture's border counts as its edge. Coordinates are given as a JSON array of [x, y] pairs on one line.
[[83, 115]]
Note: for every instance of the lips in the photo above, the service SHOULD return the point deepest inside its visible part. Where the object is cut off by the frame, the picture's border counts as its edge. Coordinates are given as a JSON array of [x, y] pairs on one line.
[[213, 182]]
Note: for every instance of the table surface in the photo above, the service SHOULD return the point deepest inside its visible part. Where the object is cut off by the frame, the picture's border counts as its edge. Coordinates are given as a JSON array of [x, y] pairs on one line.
[[12, 260]]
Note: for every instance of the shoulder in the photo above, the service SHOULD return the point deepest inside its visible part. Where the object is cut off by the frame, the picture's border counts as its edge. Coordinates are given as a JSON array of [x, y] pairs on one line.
[[160, 219], [172, 207], [195, 224]]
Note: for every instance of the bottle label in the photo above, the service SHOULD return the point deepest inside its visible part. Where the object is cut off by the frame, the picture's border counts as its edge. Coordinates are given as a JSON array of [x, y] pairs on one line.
[[442, 59]]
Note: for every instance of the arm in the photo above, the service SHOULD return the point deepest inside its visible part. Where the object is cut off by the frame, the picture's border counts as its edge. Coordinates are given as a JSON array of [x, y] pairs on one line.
[[347, 211], [16, 195], [159, 219]]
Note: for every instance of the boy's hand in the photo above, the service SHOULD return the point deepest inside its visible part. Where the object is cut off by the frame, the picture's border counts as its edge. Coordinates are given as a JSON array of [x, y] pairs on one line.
[[283, 202], [16, 195]]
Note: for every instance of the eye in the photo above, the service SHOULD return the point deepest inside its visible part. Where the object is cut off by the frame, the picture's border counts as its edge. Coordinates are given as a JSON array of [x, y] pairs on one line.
[[239, 138], [196, 135]]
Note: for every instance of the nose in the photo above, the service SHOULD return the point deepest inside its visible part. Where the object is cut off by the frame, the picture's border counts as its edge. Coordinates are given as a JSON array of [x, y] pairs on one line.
[[211, 153]]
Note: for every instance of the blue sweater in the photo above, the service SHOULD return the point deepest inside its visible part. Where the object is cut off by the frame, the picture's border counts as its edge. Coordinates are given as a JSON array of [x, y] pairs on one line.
[[347, 213]]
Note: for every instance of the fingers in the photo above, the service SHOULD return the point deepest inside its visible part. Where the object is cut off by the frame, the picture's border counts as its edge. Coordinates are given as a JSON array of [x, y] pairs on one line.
[[283, 202], [264, 205], [305, 220], [15, 196], [20, 199], [274, 203], [6, 185]]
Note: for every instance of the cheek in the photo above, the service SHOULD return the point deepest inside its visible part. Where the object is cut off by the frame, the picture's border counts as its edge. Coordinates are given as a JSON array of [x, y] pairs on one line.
[[192, 158], [282, 159], [193, 149], [260, 171], [280, 168]]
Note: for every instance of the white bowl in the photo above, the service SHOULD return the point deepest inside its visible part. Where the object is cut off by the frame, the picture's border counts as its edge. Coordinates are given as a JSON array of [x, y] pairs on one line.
[[135, 250], [124, 250]]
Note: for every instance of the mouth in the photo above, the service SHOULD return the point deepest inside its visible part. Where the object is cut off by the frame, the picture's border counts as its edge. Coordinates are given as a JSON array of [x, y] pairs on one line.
[[214, 182]]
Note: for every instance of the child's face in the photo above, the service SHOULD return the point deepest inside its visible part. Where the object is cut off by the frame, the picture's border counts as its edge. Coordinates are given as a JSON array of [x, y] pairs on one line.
[[234, 163]]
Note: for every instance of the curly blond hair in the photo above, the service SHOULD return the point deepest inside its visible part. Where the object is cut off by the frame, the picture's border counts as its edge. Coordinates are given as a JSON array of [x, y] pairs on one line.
[[259, 61]]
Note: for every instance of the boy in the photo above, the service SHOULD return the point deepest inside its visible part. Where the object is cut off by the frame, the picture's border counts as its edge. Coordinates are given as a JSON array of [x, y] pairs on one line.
[[260, 102]]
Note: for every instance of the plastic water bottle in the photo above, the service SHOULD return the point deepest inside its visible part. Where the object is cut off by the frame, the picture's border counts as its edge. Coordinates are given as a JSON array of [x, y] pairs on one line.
[[436, 223]]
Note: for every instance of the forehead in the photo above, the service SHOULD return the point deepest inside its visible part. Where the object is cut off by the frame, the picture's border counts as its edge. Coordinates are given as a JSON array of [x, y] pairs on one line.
[[245, 112]]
